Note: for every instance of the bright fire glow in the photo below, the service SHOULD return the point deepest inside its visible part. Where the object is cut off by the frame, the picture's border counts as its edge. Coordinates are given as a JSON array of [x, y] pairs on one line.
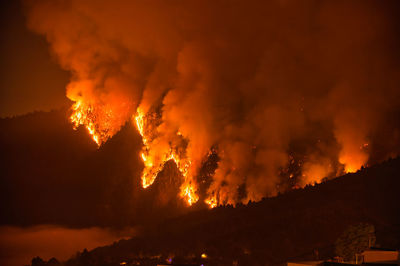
[[354, 159], [154, 162], [139, 118], [211, 202], [86, 115], [102, 123]]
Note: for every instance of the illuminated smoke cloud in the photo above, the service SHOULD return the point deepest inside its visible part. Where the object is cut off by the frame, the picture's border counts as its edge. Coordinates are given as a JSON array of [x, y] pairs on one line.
[[258, 80]]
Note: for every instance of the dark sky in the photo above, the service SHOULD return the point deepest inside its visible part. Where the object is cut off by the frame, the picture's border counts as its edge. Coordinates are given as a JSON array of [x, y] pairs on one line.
[[30, 78]]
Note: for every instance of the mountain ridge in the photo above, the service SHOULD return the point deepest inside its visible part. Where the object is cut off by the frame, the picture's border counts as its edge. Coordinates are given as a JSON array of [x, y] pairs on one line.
[[293, 225]]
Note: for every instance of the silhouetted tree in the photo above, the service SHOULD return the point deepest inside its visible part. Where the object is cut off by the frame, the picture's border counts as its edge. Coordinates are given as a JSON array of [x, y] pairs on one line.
[[38, 261], [53, 262], [355, 239]]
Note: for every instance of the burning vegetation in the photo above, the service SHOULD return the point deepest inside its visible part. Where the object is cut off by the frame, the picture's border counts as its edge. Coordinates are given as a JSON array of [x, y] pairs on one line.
[[279, 108], [155, 156]]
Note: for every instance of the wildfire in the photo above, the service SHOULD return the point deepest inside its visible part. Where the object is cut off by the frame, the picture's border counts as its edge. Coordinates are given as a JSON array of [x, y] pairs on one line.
[[139, 118], [211, 202], [100, 121], [188, 192], [84, 115], [154, 161], [354, 160], [150, 170]]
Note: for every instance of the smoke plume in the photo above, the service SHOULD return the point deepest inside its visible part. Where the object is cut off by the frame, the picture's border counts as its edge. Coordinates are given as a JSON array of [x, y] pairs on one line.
[[282, 90]]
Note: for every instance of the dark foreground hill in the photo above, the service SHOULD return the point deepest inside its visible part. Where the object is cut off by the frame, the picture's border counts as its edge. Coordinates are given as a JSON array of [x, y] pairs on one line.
[[46, 166], [51, 174], [293, 226]]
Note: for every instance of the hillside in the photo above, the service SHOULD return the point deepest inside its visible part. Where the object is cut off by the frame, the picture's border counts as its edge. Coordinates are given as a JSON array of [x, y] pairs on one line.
[[270, 232], [52, 174], [47, 167]]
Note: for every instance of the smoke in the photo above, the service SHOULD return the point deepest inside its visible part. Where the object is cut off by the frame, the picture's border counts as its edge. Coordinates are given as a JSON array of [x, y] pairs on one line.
[[259, 80]]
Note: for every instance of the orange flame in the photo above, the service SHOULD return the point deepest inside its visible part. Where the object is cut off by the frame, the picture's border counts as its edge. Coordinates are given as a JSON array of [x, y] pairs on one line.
[[150, 170], [85, 115], [153, 165], [101, 120], [354, 159], [211, 202], [139, 118]]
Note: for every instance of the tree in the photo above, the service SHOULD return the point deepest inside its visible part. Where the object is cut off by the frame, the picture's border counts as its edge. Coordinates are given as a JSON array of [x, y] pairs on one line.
[[53, 262], [354, 240], [38, 261]]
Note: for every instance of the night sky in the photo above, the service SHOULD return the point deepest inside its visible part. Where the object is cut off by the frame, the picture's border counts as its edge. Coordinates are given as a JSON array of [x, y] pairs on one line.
[[30, 77]]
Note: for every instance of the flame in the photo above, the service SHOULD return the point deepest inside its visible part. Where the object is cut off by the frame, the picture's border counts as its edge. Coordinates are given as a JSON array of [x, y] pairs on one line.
[[84, 115], [188, 188], [315, 170], [211, 202], [139, 118], [150, 170], [188, 192], [354, 159], [154, 162], [101, 120], [144, 157]]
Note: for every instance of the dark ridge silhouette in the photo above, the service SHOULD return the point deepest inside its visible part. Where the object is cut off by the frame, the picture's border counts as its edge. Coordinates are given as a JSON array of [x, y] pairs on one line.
[[291, 226], [52, 174]]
